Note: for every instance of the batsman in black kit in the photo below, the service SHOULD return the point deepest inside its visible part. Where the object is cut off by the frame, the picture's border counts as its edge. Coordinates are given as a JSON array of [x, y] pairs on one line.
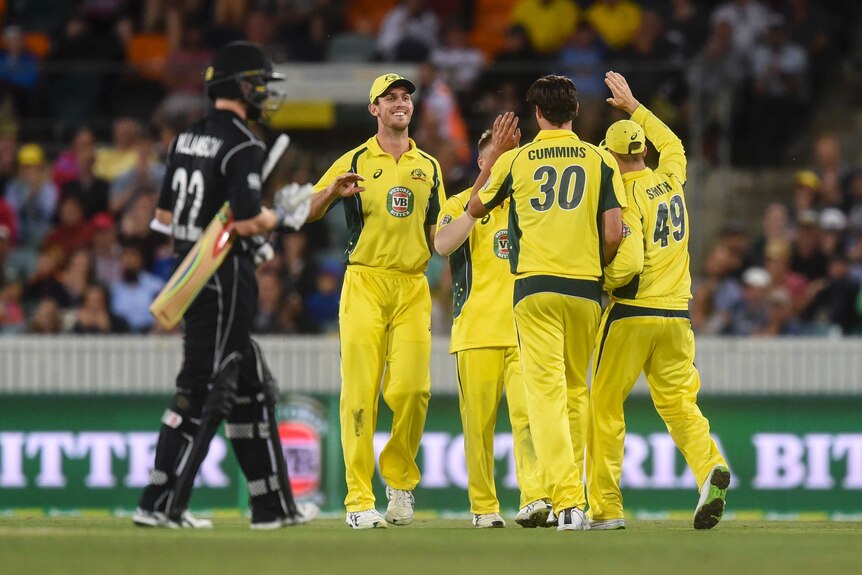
[[224, 375]]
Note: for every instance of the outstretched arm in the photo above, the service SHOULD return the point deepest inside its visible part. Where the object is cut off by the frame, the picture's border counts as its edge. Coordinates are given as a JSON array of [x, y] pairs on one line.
[[670, 149], [343, 186]]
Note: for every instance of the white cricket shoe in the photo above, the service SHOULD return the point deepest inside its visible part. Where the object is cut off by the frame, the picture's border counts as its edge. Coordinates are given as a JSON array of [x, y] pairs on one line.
[[400, 508], [607, 524], [145, 518], [307, 511], [367, 519], [486, 520], [552, 520], [534, 514], [572, 519], [713, 494]]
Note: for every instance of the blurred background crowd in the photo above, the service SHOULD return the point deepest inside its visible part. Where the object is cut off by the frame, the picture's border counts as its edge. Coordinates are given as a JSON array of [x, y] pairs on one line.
[[92, 92]]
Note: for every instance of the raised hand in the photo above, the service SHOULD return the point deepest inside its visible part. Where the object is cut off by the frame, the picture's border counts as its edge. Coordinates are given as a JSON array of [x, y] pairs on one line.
[[507, 134], [622, 98], [345, 185]]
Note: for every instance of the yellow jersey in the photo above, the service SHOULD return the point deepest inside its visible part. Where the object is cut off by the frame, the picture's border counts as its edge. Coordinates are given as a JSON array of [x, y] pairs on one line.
[[659, 217], [386, 223], [482, 286], [560, 187]]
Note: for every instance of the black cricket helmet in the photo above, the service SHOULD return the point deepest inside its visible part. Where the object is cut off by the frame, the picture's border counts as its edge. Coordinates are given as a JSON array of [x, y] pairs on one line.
[[241, 71]]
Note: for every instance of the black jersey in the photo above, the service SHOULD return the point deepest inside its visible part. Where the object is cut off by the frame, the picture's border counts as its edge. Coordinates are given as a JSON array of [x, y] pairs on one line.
[[215, 160]]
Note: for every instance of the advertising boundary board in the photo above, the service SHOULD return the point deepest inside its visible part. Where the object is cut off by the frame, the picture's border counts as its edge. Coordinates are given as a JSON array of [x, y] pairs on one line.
[[789, 455]]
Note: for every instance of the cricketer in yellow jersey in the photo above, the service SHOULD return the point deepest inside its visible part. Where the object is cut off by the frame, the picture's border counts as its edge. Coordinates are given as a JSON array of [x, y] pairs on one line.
[[564, 224], [385, 309], [486, 348], [647, 326]]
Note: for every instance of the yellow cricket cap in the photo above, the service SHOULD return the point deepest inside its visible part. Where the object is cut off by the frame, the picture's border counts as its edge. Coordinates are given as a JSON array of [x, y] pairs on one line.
[[31, 155], [808, 179], [388, 81], [625, 137]]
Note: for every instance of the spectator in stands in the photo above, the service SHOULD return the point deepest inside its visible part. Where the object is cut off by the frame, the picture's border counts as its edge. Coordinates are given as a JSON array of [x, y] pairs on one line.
[[854, 199], [408, 33], [144, 177], [813, 26], [77, 275], [647, 68], [92, 190], [775, 229], [440, 119], [298, 272], [748, 19], [261, 27], [751, 313], [93, 316], [8, 152], [19, 69], [459, 63], [269, 301], [779, 92], [717, 294], [72, 231], [44, 282], [65, 168], [32, 195], [293, 318], [134, 227], [548, 23], [132, 295], [46, 318], [107, 251], [12, 317], [581, 59], [686, 27], [807, 257], [8, 222], [616, 21], [834, 305], [513, 70], [780, 317], [322, 304], [733, 236], [806, 191], [833, 225], [182, 73], [832, 168], [122, 155], [782, 275]]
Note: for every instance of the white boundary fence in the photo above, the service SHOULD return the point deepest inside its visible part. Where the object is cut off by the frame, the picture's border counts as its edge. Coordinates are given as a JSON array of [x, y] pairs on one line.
[[147, 365]]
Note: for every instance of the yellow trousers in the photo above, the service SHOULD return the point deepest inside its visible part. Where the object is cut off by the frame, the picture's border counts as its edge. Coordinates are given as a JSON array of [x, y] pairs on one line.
[[557, 333], [385, 328], [661, 343], [482, 373]]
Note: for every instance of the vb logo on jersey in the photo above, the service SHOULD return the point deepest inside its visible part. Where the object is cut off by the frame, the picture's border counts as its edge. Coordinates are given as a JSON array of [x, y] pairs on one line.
[[399, 202], [501, 244]]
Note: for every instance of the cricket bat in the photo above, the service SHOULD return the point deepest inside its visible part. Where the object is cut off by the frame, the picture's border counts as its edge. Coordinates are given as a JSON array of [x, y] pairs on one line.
[[205, 257]]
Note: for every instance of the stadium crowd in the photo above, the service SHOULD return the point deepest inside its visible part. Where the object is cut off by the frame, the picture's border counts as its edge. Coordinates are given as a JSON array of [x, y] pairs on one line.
[[92, 92]]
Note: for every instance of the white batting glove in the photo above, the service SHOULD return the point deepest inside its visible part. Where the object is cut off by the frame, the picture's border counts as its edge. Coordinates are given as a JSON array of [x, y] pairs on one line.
[[261, 250], [292, 203]]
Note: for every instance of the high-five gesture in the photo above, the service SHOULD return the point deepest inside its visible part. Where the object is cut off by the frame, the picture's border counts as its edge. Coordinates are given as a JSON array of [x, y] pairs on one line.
[[345, 185], [507, 134], [622, 95]]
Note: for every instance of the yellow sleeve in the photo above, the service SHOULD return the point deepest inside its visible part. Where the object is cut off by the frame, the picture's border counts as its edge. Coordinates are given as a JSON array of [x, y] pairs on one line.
[[453, 208], [629, 260], [671, 153], [341, 166], [499, 184]]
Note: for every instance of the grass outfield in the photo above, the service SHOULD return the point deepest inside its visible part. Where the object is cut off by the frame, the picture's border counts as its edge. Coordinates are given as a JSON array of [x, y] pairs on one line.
[[93, 546]]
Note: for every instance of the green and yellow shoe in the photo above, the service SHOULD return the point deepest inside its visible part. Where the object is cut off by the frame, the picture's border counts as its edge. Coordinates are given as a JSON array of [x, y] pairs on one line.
[[713, 494]]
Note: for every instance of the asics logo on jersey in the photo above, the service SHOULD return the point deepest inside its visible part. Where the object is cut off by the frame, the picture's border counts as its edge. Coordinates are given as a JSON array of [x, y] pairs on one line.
[[399, 202], [377, 173]]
